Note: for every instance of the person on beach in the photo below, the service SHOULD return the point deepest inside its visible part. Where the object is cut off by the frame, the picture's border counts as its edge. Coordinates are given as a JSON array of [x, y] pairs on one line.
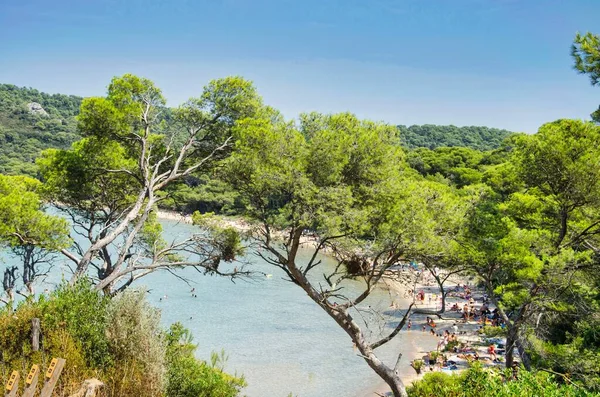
[[492, 352], [424, 328], [409, 325], [455, 328]]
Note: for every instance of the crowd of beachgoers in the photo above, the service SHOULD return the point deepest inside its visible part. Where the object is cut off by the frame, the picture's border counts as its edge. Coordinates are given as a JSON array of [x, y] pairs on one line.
[[459, 330]]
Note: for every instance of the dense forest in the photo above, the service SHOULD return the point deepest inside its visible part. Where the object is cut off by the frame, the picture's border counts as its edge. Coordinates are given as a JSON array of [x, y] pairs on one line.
[[433, 136], [24, 133]]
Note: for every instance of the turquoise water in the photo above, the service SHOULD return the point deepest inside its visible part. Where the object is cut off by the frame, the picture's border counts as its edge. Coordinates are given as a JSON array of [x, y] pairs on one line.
[[272, 332]]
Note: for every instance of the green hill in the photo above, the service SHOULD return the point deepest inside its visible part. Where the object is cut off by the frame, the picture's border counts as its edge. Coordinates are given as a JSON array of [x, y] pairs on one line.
[[31, 121], [434, 136], [26, 129]]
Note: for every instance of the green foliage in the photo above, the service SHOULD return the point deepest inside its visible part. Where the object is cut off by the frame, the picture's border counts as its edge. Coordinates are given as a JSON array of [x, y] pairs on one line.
[[188, 377], [461, 166], [23, 134], [226, 240], [578, 355], [117, 340], [417, 365], [22, 219], [81, 311], [434, 136], [311, 175], [478, 381], [493, 332], [561, 160], [586, 54]]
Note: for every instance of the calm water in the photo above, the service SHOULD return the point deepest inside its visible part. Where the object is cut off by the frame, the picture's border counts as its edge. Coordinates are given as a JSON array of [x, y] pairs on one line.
[[272, 332]]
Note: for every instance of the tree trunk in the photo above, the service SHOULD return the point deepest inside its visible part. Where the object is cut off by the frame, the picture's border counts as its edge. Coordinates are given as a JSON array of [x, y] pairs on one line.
[[523, 354], [391, 378], [341, 316], [389, 375], [87, 257], [510, 348]]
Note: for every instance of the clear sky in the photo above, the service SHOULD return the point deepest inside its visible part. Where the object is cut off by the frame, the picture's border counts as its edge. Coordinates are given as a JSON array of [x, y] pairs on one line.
[[501, 63]]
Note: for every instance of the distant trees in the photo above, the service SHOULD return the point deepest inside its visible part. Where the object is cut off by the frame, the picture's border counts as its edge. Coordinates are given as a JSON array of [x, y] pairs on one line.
[[586, 54], [433, 136], [460, 165], [24, 135]]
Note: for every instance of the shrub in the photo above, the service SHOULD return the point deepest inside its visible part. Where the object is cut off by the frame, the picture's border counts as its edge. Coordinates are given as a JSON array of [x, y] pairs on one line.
[[136, 342], [189, 377], [451, 345], [82, 312], [72, 325], [493, 332], [417, 365], [478, 381], [118, 340]]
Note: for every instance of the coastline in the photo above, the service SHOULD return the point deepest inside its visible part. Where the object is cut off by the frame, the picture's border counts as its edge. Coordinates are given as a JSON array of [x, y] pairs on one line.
[[468, 334], [415, 343], [174, 216], [238, 223]]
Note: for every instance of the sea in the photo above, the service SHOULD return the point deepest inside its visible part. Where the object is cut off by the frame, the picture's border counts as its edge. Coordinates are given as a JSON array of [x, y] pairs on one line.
[[271, 332]]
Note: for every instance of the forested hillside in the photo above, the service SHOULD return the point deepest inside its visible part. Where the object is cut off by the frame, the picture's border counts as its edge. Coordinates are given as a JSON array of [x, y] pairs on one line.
[[434, 136], [25, 132]]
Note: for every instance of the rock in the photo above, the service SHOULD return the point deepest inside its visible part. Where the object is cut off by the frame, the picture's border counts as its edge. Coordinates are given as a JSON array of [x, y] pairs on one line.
[[89, 388], [36, 108]]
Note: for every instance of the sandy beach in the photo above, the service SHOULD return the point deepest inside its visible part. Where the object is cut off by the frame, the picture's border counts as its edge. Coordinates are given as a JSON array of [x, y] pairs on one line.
[[467, 331]]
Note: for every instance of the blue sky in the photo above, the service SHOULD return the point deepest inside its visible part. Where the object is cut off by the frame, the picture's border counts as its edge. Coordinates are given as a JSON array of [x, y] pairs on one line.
[[501, 63]]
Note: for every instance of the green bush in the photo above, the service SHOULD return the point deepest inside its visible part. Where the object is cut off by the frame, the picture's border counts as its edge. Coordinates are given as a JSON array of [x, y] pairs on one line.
[[479, 381], [82, 312], [189, 377], [493, 332], [136, 342], [117, 340], [451, 345]]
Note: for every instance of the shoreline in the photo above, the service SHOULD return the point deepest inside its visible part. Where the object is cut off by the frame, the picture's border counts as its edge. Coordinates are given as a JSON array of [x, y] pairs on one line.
[[238, 223], [419, 338], [467, 333]]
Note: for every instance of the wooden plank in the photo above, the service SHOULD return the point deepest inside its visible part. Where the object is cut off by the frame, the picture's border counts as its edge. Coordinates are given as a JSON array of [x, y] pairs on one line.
[[31, 381], [52, 374], [35, 334], [12, 386]]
